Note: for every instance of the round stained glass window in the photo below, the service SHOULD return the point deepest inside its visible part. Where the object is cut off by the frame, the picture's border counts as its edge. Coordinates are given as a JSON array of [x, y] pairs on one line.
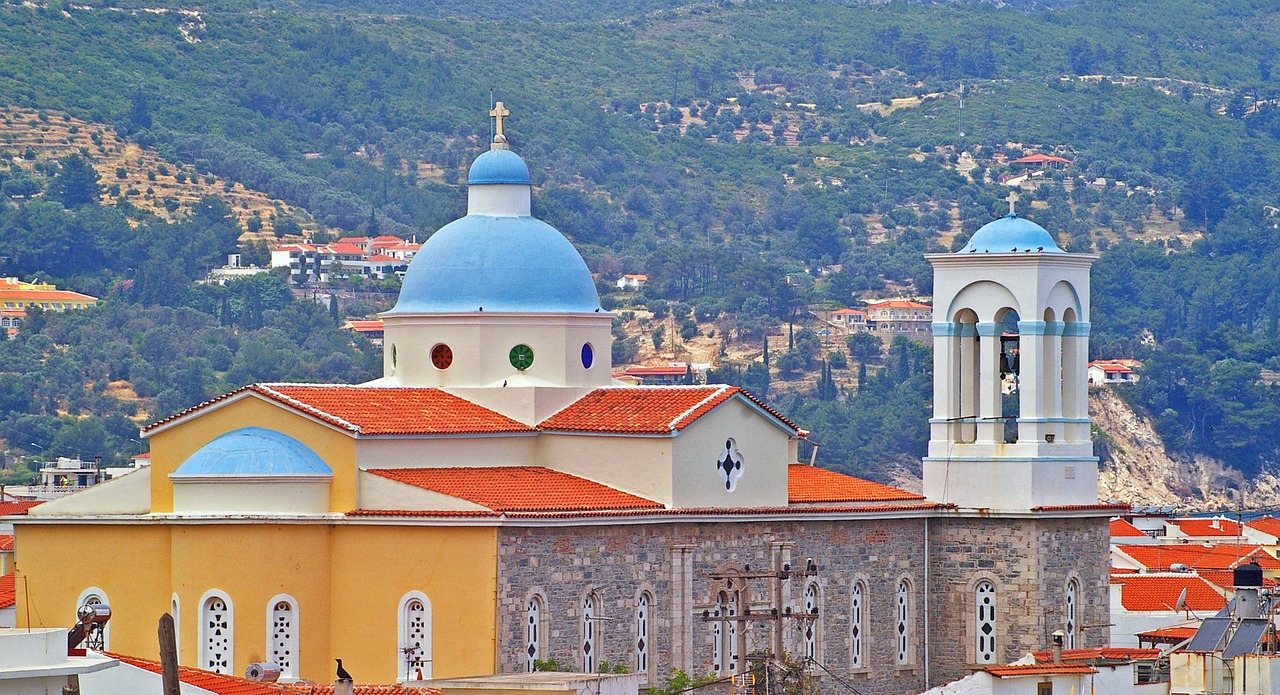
[[588, 356], [441, 356], [521, 357]]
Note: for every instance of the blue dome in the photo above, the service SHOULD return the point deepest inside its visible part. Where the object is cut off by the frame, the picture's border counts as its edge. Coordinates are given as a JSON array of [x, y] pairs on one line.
[[253, 451], [1011, 234], [498, 166], [508, 264]]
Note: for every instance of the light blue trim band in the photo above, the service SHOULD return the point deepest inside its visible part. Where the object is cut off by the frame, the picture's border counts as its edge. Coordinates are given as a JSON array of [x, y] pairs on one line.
[[1032, 327], [1079, 329], [944, 329], [990, 329]]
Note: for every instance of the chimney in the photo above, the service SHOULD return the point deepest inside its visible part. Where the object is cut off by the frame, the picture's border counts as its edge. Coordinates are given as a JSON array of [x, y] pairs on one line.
[[344, 688], [1058, 638], [1217, 523]]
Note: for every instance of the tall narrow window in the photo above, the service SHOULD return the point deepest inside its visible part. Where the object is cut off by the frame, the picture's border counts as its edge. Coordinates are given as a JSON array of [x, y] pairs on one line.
[[731, 633], [1072, 604], [414, 645], [282, 635], [217, 639], [985, 622], [902, 625], [177, 625], [533, 633], [642, 633], [857, 626], [811, 608], [589, 656], [717, 636]]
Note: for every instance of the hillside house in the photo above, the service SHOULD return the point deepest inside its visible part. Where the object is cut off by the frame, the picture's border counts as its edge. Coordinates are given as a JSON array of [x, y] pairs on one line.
[[1042, 161], [369, 329], [632, 283], [17, 296], [900, 316], [373, 258], [849, 320], [1117, 371]]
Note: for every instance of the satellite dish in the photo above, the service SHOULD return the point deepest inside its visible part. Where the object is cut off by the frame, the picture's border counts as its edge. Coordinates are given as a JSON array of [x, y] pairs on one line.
[[1181, 605]]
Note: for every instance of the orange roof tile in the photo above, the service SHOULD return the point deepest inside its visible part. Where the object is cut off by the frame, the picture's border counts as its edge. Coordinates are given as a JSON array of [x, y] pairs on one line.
[[797, 510], [14, 507], [1159, 592], [1207, 526], [6, 542], [648, 409], [1266, 524], [344, 249], [8, 591], [1040, 158], [44, 296], [1173, 634], [847, 310], [233, 685], [812, 484], [369, 410], [897, 304], [382, 258], [1095, 654], [518, 488], [1198, 556], [364, 326], [1123, 529], [1013, 671], [143, 455], [1225, 579]]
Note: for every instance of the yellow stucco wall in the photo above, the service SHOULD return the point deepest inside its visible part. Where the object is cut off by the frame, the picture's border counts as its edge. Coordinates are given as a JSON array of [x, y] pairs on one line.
[[347, 581], [170, 447]]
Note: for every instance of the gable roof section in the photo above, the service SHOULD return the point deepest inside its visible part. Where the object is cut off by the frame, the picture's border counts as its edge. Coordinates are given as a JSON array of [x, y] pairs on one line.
[[1266, 524], [650, 409], [1208, 527], [810, 484], [370, 410], [1225, 579], [519, 488], [1197, 556], [8, 591], [1099, 654], [6, 542], [233, 685], [1123, 529], [14, 507], [1159, 592], [1016, 670]]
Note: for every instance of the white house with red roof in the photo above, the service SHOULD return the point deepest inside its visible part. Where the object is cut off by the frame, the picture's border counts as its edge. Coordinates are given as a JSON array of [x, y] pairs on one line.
[[497, 498], [899, 316], [1143, 602], [369, 257], [1118, 371]]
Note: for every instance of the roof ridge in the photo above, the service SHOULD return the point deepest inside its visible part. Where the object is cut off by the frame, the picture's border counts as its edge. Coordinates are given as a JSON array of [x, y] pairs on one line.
[[272, 393], [712, 396]]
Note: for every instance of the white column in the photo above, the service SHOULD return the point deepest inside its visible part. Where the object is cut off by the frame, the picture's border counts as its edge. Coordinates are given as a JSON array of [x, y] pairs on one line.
[[1032, 377], [1075, 376], [990, 426], [1053, 369], [967, 378], [946, 382]]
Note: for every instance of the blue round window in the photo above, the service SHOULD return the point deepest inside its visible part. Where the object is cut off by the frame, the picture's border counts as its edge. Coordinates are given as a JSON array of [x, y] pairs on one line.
[[588, 356]]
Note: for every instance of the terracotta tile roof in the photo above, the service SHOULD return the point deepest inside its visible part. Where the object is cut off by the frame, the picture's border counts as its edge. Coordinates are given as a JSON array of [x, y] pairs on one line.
[[1082, 507], [657, 512], [847, 310], [6, 542], [1198, 556], [1039, 159], [897, 304], [648, 409], [1123, 529], [382, 258], [812, 484], [234, 685], [17, 507], [1225, 579], [1159, 592], [1013, 671], [1209, 527], [1095, 654], [8, 591], [1266, 524], [519, 488], [368, 410], [44, 296], [1170, 635], [362, 326], [344, 249]]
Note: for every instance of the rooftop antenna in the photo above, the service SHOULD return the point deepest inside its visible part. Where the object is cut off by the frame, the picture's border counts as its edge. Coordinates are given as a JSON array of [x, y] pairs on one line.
[[960, 112]]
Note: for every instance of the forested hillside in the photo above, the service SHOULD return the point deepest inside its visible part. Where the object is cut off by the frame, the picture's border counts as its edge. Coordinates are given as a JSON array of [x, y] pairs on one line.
[[757, 160]]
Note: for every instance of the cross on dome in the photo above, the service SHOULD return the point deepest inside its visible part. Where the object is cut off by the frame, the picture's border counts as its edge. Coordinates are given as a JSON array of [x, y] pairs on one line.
[[1012, 197], [499, 112]]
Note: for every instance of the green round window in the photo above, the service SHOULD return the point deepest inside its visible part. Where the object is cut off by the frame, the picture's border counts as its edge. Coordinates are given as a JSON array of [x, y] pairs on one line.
[[521, 357]]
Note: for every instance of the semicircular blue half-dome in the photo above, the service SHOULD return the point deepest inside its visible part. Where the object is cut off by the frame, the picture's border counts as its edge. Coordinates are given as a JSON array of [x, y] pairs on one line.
[[507, 264], [1011, 234], [500, 167], [253, 451]]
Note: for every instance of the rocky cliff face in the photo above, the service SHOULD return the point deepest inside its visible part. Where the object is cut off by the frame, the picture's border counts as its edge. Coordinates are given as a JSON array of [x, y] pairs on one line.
[[1136, 468]]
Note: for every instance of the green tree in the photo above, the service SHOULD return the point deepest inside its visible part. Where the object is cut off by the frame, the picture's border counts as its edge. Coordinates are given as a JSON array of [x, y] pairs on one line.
[[76, 183]]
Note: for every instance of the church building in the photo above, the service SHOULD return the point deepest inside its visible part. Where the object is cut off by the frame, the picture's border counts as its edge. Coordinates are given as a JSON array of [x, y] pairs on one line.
[[496, 500]]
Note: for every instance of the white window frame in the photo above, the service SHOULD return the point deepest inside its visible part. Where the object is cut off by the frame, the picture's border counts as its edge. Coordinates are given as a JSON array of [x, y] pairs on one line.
[[289, 673], [984, 616], [402, 637], [644, 634], [535, 608], [204, 636], [1071, 611], [904, 616], [858, 624], [589, 651], [812, 638]]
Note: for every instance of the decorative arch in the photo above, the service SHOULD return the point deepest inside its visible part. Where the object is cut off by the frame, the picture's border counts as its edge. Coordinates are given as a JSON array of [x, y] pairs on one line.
[[859, 610], [1071, 606], [535, 628], [1064, 296], [100, 640], [413, 644], [984, 298], [812, 626], [643, 631], [217, 632], [904, 618], [590, 652], [282, 634]]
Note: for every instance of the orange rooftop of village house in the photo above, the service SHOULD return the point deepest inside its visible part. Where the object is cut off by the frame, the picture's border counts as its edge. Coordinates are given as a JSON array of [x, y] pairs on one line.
[[1266, 524], [8, 591], [1015, 670], [518, 488], [1123, 529], [1207, 527], [649, 409], [810, 484], [1198, 556], [1160, 592]]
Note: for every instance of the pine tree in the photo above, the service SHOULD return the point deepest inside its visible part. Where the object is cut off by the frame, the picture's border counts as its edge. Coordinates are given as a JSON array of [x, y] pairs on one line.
[[766, 351], [333, 308]]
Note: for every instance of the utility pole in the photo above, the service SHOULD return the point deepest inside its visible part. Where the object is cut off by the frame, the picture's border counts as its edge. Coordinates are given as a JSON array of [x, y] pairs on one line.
[[742, 582]]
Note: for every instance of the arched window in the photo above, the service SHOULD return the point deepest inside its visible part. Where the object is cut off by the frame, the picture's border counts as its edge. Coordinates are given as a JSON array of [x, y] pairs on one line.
[[177, 626], [414, 645], [902, 621], [99, 636], [282, 634], [1072, 624], [217, 632], [590, 657], [717, 636], [984, 595], [533, 632], [725, 633], [812, 607], [857, 625], [642, 633]]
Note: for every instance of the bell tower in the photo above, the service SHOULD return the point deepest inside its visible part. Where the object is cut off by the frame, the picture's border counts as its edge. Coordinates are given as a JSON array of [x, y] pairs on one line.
[[1010, 426]]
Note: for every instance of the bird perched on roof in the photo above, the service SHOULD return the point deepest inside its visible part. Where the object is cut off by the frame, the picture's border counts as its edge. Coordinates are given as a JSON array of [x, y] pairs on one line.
[[342, 672]]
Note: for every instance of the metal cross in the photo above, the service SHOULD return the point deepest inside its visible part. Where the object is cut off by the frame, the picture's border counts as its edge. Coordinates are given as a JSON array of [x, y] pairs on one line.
[[1012, 198], [499, 112]]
